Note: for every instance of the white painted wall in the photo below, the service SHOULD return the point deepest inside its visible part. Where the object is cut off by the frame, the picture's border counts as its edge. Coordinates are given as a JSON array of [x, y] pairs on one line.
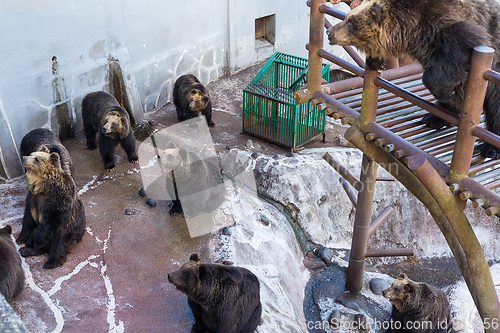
[[154, 41]]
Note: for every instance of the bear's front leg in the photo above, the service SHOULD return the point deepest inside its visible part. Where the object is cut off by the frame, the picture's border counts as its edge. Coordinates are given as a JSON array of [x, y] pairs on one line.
[[375, 63], [107, 151], [90, 135], [176, 208], [29, 224], [57, 252], [128, 144]]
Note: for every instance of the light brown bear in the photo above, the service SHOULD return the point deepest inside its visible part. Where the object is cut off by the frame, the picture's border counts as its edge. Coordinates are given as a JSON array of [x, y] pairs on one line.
[[418, 307], [54, 216]]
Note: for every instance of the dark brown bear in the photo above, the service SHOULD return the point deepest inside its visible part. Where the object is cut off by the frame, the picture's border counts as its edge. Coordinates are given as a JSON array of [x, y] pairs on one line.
[[418, 307], [440, 35], [54, 215], [41, 137], [196, 181], [224, 299], [191, 99], [103, 114], [11, 269]]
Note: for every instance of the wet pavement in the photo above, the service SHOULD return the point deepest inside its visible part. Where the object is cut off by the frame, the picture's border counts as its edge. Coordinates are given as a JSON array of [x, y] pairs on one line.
[[115, 279]]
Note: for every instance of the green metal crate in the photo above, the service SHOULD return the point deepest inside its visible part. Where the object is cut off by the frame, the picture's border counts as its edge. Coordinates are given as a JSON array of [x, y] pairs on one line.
[[269, 110]]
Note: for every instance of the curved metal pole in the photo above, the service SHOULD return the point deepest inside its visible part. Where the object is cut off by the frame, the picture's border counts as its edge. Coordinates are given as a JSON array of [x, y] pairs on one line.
[[487, 300]]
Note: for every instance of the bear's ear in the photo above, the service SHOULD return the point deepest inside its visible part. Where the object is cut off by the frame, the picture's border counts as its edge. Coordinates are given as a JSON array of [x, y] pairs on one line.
[[378, 13], [170, 144], [44, 149], [203, 271], [56, 161], [183, 153], [402, 276], [194, 257], [409, 288], [6, 230]]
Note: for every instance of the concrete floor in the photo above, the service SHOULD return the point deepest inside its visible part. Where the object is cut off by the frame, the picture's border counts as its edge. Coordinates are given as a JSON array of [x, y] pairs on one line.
[[115, 279]]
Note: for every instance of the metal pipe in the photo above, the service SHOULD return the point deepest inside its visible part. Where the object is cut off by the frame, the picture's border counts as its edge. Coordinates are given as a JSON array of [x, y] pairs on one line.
[[479, 167], [486, 135], [370, 98], [482, 57], [356, 268], [389, 252], [487, 300], [316, 32], [492, 76], [332, 12], [436, 142], [400, 120], [348, 190], [379, 219], [343, 172], [432, 108]]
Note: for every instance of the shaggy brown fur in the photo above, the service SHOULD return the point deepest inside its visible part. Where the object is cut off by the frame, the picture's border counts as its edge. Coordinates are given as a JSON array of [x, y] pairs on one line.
[[54, 216], [224, 299], [417, 303], [11, 270]]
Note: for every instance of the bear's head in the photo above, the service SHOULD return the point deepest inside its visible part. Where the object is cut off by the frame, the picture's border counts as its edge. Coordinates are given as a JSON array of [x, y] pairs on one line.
[[365, 27], [41, 164], [402, 292], [187, 278], [200, 280], [115, 124], [198, 100], [172, 158]]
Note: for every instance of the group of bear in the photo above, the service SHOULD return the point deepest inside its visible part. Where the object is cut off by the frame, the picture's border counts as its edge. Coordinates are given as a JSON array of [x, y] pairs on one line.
[[440, 35]]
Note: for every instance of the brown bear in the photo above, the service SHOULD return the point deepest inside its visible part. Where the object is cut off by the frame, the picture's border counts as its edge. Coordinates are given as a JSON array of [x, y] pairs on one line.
[[42, 137], [191, 99], [418, 307], [103, 114], [223, 298], [11, 269], [54, 215], [196, 181], [440, 35]]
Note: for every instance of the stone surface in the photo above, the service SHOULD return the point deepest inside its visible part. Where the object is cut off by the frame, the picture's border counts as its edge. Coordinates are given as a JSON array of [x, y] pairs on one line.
[[377, 285]]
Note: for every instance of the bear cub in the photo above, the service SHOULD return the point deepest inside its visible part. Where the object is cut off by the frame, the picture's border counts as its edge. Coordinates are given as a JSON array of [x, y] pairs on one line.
[[191, 99], [223, 299], [418, 303], [54, 216], [441, 36], [198, 182], [103, 114], [11, 270]]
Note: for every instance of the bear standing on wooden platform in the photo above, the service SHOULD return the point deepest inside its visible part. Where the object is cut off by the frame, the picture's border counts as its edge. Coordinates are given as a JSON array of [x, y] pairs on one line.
[[103, 114], [11, 269], [191, 99], [54, 216], [223, 298], [418, 304], [440, 35]]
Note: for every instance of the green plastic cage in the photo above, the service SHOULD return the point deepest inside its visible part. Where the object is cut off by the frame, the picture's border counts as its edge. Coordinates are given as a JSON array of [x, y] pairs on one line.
[[269, 110]]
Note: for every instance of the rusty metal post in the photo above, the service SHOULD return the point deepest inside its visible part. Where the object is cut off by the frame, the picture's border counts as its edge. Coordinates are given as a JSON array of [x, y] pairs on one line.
[[487, 300], [482, 57], [368, 112], [316, 33], [356, 268]]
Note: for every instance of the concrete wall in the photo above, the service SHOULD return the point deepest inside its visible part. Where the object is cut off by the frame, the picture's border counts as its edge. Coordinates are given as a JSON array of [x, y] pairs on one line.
[[56, 53]]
